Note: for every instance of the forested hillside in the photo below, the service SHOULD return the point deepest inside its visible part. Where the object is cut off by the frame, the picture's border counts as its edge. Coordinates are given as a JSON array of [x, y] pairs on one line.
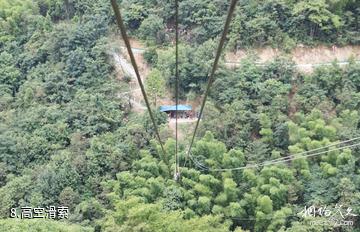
[[271, 22], [69, 138]]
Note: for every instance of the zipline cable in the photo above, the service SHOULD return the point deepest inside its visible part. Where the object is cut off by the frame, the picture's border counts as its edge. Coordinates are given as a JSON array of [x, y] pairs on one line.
[[214, 67], [316, 149], [133, 62], [210, 81], [267, 163], [283, 159], [177, 171], [204, 168]]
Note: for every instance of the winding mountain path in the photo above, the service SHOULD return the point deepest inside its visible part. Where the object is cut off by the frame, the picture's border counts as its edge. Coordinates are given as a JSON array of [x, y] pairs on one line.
[[305, 58]]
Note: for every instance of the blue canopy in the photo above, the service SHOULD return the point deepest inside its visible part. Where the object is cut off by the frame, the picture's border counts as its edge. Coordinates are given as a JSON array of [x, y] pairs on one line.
[[173, 108]]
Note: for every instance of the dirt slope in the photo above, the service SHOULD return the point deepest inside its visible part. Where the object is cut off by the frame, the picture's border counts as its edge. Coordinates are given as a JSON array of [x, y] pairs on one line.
[[305, 58]]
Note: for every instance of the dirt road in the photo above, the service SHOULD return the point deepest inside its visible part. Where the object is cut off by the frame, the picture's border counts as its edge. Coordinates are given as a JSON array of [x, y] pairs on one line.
[[305, 58]]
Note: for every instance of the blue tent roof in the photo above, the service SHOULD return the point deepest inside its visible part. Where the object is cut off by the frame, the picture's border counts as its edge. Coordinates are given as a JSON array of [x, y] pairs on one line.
[[173, 108]]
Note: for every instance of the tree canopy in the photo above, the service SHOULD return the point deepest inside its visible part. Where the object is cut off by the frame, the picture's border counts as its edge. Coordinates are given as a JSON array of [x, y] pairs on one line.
[[68, 137]]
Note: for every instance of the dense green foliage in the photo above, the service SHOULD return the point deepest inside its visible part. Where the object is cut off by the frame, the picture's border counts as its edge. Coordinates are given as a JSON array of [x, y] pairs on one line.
[[16, 225], [256, 22], [67, 138]]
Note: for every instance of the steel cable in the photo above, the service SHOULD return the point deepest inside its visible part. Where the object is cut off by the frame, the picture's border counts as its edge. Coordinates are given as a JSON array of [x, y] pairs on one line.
[[212, 74], [133, 62], [280, 160]]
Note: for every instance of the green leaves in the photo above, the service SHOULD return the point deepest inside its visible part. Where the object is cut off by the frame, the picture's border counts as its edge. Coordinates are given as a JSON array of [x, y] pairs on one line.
[[67, 139], [14, 225], [152, 29], [134, 15], [194, 66], [10, 75], [155, 85], [318, 13], [264, 204], [12, 194]]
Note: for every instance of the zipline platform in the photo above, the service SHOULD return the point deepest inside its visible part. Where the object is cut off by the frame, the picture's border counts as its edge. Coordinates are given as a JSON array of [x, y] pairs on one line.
[[184, 111]]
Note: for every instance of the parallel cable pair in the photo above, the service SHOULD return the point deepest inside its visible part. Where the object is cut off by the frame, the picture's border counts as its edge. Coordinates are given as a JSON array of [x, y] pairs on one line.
[[133, 62], [296, 156], [210, 80], [209, 84]]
